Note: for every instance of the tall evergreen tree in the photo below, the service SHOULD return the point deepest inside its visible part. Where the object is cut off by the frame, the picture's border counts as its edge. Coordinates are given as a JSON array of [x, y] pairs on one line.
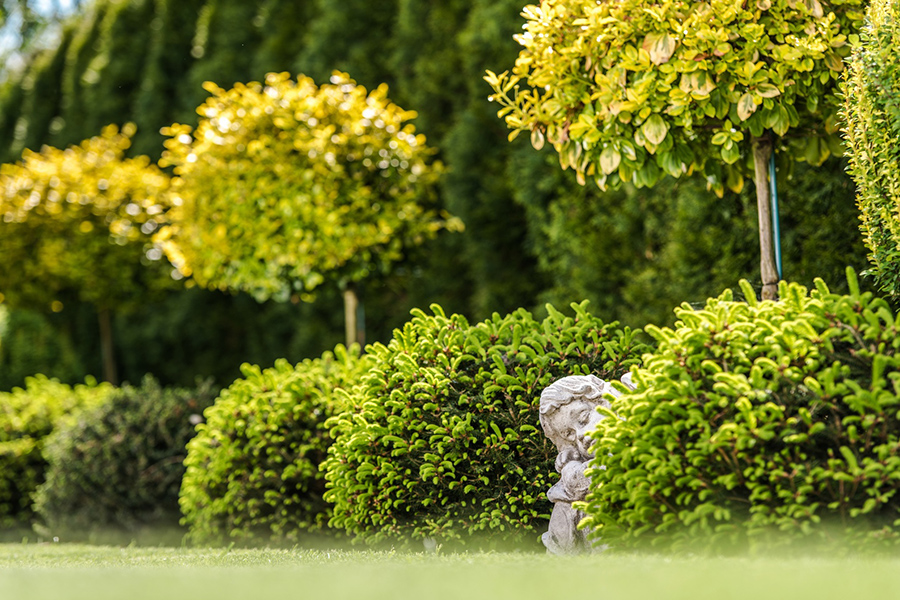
[[354, 36], [283, 28], [113, 77], [168, 61], [42, 98], [75, 109], [222, 49]]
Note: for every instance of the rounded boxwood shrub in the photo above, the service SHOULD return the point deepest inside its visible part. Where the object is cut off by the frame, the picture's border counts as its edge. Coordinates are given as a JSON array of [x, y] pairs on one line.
[[27, 416], [117, 467], [445, 440], [872, 121], [757, 424], [253, 469]]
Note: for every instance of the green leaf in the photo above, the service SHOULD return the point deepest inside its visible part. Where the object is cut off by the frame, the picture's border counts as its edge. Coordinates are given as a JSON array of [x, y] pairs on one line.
[[660, 46], [746, 106], [609, 160], [655, 129]]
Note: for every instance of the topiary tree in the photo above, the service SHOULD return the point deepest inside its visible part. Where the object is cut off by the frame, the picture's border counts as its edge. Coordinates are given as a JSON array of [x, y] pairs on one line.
[[872, 115], [116, 468], [77, 222], [253, 471], [444, 440], [285, 184], [27, 416], [634, 90], [757, 423]]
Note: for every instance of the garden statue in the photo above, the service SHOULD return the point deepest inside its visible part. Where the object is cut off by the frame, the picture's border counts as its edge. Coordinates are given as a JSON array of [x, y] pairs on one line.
[[568, 413]]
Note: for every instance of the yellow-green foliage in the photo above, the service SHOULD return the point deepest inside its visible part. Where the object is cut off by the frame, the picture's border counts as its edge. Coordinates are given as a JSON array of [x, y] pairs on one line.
[[286, 183], [253, 468], [444, 439], [757, 423], [27, 416], [79, 220], [632, 90], [872, 115]]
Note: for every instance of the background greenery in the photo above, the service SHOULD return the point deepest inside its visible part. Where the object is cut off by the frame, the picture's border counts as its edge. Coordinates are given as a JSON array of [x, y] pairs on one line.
[[532, 233]]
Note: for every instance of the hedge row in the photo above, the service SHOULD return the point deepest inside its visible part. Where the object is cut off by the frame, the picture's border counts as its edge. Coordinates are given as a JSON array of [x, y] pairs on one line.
[[444, 440], [435, 434], [872, 120], [117, 466], [752, 423], [758, 423], [27, 416], [253, 470]]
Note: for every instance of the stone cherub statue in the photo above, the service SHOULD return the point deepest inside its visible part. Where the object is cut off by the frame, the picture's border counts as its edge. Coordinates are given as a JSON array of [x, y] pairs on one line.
[[568, 413]]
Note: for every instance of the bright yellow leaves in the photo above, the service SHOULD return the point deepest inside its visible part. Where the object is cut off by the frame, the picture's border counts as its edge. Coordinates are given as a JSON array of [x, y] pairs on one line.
[[285, 182], [667, 76], [80, 220]]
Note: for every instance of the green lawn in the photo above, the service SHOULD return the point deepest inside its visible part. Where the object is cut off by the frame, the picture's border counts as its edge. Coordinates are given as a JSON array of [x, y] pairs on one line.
[[58, 571]]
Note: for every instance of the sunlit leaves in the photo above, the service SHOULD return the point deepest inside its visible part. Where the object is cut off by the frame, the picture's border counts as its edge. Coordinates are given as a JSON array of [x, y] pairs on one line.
[[755, 423], [672, 75], [872, 122], [79, 220], [285, 183]]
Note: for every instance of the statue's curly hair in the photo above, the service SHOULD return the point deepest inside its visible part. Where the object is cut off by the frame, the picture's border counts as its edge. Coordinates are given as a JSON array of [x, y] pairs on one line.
[[571, 388]]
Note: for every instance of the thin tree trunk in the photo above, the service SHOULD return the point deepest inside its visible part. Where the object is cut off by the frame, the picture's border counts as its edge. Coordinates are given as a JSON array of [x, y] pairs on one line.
[[762, 152], [354, 324], [110, 373]]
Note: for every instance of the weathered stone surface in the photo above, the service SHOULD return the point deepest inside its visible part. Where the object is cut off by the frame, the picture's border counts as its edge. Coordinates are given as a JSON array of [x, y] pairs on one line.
[[568, 414]]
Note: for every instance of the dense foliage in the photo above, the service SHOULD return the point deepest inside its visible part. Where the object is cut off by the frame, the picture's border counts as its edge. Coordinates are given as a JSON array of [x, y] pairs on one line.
[[518, 207], [253, 470], [444, 440], [79, 220], [30, 344], [629, 91], [681, 243], [757, 423], [872, 115], [285, 184], [27, 416], [118, 466]]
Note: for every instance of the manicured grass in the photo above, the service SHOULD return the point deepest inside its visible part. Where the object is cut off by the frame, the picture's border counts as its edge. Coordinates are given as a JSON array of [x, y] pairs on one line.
[[59, 571]]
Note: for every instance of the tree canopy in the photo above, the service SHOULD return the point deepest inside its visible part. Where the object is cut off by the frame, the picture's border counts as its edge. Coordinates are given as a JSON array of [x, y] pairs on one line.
[[76, 224], [629, 91], [78, 221], [634, 90], [287, 184]]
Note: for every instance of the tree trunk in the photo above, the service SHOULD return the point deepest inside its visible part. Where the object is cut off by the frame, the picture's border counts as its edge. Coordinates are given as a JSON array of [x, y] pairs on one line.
[[110, 372], [762, 152], [354, 323]]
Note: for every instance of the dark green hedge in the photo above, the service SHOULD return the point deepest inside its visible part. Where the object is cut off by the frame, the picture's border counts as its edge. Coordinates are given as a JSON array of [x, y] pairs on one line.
[[757, 424], [116, 468], [445, 441], [27, 416], [253, 469]]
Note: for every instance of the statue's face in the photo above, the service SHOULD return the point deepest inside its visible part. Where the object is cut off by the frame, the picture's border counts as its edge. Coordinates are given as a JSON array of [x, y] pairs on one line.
[[570, 424]]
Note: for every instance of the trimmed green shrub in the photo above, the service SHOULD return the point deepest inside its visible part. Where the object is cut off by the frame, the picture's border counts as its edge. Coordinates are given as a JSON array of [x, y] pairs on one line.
[[253, 469], [757, 424], [27, 416], [445, 440], [117, 467], [872, 123]]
